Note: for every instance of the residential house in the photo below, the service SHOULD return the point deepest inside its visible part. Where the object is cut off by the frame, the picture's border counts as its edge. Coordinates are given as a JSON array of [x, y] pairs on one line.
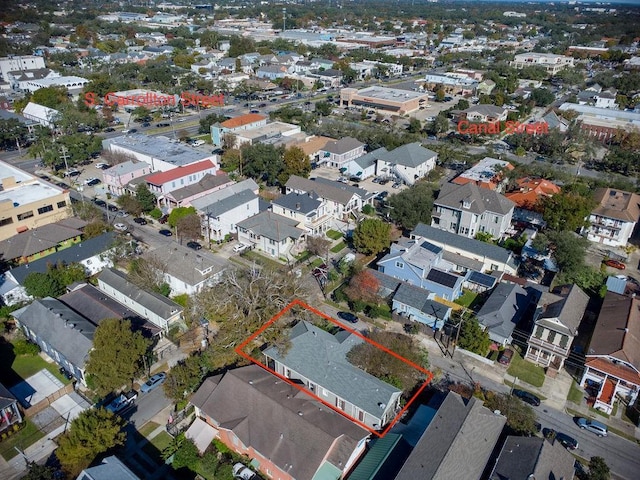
[[467, 210], [185, 270], [409, 162], [485, 87], [222, 210], [162, 183], [183, 197], [553, 121], [342, 200], [312, 146], [159, 310], [530, 190], [318, 360], [365, 165], [285, 432], [612, 367], [487, 173], [613, 220], [272, 72], [9, 411], [41, 241], [236, 124], [309, 210], [467, 253], [556, 323], [93, 254], [458, 442], [273, 234], [338, 153], [482, 113], [502, 311], [116, 178], [527, 458], [606, 99], [111, 468], [550, 62], [420, 305], [330, 77], [45, 116]]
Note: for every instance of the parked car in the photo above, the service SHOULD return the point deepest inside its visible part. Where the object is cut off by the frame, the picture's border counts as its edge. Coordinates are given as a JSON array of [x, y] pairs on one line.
[[122, 214], [165, 232], [242, 472], [140, 221], [396, 185], [565, 440], [592, 426], [348, 316], [160, 125], [112, 208], [122, 402], [505, 357], [102, 166], [100, 203], [153, 382], [121, 227], [194, 245], [145, 124], [92, 181], [109, 129], [615, 264], [72, 173], [527, 397], [241, 247]]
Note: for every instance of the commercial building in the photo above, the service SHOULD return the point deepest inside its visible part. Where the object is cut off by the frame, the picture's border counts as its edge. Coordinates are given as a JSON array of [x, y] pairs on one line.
[[393, 100], [603, 123], [550, 62], [15, 63], [236, 125]]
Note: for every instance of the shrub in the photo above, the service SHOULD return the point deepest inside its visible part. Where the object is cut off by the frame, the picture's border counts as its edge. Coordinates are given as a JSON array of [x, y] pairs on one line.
[[155, 213], [368, 209], [339, 295], [357, 305], [374, 311], [25, 347]]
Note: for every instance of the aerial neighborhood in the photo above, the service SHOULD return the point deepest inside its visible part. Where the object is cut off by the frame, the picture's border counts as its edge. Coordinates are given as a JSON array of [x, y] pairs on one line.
[[327, 240]]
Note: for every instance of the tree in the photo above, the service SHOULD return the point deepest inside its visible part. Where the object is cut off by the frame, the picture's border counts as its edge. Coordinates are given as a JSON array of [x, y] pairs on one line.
[[178, 213], [187, 455], [262, 162], [148, 273], [189, 226], [542, 97], [54, 281], [296, 162], [39, 472], [413, 205], [440, 94], [364, 287], [141, 112], [521, 418], [116, 357], [146, 199], [414, 125], [318, 245], [129, 203], [472, 337], [92, 432], [324, 108], [598, 469], [566, 211], [371, 236], [568, 249], [184, 377]]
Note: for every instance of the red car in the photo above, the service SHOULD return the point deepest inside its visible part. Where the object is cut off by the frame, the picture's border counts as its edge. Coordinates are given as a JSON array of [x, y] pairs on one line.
[[615, 264]]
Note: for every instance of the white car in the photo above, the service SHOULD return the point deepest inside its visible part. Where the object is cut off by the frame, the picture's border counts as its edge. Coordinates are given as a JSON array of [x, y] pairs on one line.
[[243, 473], [241, 247], [121, 227]]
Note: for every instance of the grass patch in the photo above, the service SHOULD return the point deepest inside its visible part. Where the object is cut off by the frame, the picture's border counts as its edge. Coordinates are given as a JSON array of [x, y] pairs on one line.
[[262, 260], [17, 368], [338, 247], [304, 256], [316, 263], [156, 445], [575, 394], [467, 298], [526, 371], [147, 428], [598, 412], [22, 439], [334, 234]]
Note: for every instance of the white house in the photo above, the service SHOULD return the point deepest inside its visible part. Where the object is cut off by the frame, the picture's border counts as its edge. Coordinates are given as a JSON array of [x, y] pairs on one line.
[[273, 234], [613, 220], [408, 162]]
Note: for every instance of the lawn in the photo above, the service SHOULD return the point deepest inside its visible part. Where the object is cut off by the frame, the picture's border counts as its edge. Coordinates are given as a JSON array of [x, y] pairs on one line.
[[316, 263], [467, 298], [575, 394], [262, 260], [23, 366], [338, 247], [334, 234], [147, 428], [156, 445], [22, 439], [526, 371]]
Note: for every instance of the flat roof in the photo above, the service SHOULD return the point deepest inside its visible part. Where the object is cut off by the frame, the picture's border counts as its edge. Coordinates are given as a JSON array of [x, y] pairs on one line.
[[390, 94], [268, 131], [160, 147], [30, 193], [8, 170]]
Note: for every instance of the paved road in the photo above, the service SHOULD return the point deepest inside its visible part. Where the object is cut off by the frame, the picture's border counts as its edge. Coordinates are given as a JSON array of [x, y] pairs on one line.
[[148, 405]]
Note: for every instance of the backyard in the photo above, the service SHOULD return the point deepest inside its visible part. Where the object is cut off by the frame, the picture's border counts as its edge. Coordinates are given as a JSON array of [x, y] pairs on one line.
[[16, 368]]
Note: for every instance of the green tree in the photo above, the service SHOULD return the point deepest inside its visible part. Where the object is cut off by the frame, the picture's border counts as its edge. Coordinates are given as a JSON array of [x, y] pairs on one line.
[[145, 197], [568, 249], [566, 211], [263, 162], [440, 94], [92, 432], [521, 418], [186, 456], [129, 203], [116, 357], [52, 97], [371, 236], [54, 281], [141, 112], [324, 108], [178, 213], [542, 97], [413, 205], [184, 377], [189, 226], [473, 338], [296, 162], [39, 472], [598, 469], [414, 125], [12, 132]]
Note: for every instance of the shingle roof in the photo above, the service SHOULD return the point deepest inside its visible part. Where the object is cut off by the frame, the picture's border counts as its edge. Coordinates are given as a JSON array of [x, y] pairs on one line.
[[417, 297], [272, 226], [322, 358], [457, 444], [408, 155], [369, 159], [480, 200], [212, 198], [334, 191], [179, 172], [524, 458], [188, 265], [242, 120], [227, 204], [503, 310], [478, 248], [111, 468], [300, 202], [36, 240], [206, 183], [617, 204], [344, 145], [487, 110], [568, 310], [6, 397], [278, 421]]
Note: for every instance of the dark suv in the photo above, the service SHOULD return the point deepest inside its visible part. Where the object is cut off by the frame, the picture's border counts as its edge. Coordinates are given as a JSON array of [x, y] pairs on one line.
[[194, 245]]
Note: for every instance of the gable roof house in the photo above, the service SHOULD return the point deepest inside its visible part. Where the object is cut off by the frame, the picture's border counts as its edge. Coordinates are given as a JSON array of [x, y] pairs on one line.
[[337, 153], [365, 165], [487, 173], [111, 468], [420, 305], [318, 360], [556, 323], [39, 242], [613, 220], [468, 210], [287, 434], [502, 311], [307, 209], [457, 443], [530, 190], [162, 183], [526, 458], [236, 124], [612, 367], [484, 113], [119, 176], [9, 411], [409, 162], [159, 310], [182, 197], [273, 234]]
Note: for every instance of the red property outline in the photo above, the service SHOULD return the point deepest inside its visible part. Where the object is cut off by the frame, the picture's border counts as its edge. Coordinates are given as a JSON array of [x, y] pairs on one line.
[[240, 351]]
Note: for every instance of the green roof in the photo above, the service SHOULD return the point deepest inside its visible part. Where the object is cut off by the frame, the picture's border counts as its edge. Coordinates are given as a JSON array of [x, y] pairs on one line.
[[380, 450], [327, 471]]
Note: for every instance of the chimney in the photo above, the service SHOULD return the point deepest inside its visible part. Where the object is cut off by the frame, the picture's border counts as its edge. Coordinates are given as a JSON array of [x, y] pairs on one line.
[[298, 206]]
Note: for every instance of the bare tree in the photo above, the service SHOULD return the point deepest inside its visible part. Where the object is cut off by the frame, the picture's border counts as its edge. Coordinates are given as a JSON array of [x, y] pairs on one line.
[[189, 226], [229, 141], [318, 246], [148, 272], [115, 158]]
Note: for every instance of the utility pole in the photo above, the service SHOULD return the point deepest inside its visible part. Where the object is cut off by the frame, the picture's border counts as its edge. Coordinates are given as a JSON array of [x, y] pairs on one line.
[[64, 154], [284, 19]]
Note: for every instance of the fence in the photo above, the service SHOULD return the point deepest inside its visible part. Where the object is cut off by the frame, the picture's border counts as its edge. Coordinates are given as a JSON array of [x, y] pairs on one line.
[[45, 402]]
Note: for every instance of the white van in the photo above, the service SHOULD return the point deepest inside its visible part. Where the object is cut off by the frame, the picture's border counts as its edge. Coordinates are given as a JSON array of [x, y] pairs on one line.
[[198, 143]]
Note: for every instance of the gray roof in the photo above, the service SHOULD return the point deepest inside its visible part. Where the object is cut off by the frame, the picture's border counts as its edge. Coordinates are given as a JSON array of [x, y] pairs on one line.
[[409, 155], [158, 147], [129, 166], [299, 202], [51, 321], [342, 146], [36, 240], [478, 248], [227, 204], [487, 110], [568, 309], [190, 266], [156, 303], [524, 458], [416, 297], [272, 226], [457, 444], [278, 421], [6, 397], [201, 204], [503, 310], [322, 358], [459, 260], [206, 183], [369, 159], [481, 200], [388, 284], [110, 469], [76, 253], [418, 255], [324, 188]]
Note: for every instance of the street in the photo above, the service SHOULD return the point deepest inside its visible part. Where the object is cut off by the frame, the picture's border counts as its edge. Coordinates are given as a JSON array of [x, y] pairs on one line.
[[147, 406]]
